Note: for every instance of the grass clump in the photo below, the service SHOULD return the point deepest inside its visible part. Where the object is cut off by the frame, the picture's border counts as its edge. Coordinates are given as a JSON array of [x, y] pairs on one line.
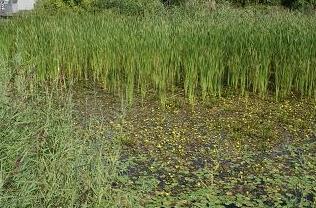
[[47, 162]]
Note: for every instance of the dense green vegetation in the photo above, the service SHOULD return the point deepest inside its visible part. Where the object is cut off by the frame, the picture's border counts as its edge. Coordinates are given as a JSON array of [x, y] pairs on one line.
[[142, 4], [103, 109], [202, 54]]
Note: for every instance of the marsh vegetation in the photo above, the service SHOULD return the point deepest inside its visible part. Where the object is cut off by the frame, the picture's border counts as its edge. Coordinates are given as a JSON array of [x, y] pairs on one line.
[[177, 106]]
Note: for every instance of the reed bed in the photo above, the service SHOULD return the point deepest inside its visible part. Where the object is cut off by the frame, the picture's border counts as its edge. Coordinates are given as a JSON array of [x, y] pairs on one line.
[[203, 55]]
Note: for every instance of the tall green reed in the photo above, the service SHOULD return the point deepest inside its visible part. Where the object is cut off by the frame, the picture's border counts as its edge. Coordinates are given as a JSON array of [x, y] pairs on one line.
[[201, 55]]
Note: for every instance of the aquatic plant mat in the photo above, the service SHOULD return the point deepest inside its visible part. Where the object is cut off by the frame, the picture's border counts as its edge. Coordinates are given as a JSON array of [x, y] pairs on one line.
[[234, 151], [89, 148]]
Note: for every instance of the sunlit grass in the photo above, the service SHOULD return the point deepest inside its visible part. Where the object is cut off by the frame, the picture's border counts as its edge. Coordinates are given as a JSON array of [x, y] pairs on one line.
[[203, 55]]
